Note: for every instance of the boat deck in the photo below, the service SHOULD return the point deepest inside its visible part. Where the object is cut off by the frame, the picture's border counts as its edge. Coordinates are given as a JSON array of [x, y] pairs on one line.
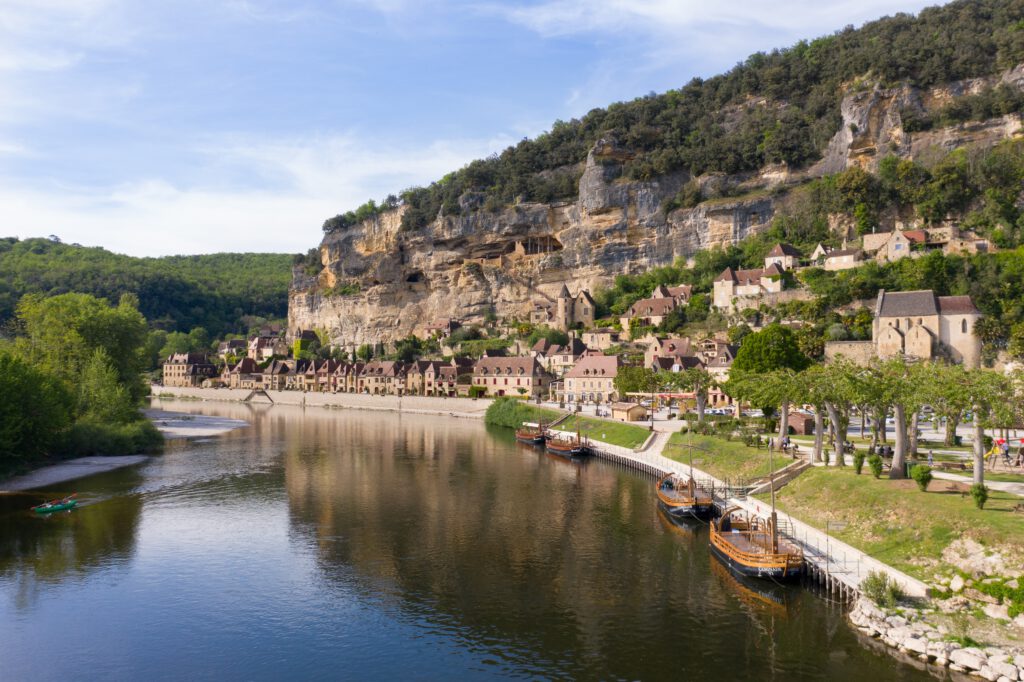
[[757, 542]]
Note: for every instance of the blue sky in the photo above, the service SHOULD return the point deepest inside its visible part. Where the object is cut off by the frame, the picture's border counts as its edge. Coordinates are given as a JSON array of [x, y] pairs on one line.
[[159, 127]]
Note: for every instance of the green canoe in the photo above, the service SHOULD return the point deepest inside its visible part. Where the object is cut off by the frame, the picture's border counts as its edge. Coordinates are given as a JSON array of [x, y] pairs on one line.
[[55, 506]]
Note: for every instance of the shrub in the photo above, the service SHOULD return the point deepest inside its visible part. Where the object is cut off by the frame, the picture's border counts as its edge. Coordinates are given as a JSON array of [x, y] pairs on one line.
[[477, 391], [512, 412], [825, 457], [858, 461], [875, 462], [89, 437], [881, 589], [922, 475], [980, 495]]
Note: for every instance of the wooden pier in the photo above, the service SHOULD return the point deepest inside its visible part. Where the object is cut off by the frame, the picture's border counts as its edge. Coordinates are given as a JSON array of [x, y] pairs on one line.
[[833, 567]]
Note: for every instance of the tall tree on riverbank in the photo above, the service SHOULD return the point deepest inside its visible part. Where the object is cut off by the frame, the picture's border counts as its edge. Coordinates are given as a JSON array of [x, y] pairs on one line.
[[772, 351], [35, 410]]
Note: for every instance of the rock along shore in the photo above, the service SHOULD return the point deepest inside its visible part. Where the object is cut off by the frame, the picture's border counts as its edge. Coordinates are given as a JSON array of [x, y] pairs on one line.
[[908, 632]]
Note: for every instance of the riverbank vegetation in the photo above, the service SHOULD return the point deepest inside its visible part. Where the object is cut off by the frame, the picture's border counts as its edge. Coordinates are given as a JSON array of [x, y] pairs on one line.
[[70, 381], [605, 431], [512, 412]]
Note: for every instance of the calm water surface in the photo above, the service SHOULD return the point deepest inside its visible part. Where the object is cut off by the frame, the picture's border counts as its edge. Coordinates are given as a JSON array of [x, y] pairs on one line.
[[337, 544]]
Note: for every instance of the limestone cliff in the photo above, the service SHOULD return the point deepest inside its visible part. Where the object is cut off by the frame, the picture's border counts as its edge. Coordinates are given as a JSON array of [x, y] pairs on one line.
[[467, 265]]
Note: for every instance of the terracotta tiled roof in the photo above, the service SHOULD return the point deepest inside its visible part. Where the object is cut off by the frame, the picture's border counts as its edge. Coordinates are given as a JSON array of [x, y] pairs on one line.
[[783, 250], [595, 366], [646, 307], [916, 236], [507, 366]]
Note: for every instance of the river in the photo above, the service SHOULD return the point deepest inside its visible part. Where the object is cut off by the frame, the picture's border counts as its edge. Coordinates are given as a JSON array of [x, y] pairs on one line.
[[338, 544]]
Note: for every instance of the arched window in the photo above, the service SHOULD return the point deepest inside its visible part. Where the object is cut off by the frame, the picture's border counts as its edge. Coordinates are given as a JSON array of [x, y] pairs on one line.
[[963, 326], [897, 324], [908, 323]]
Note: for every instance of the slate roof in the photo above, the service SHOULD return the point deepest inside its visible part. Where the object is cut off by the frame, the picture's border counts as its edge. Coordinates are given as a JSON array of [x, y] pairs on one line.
[[783, 250], [906, 304], [957, 305]]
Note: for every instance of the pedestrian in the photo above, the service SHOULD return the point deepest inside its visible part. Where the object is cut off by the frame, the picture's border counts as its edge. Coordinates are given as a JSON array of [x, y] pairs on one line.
[[931, 458]]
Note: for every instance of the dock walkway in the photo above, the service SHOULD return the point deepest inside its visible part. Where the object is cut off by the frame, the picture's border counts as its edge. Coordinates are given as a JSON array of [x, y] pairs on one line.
[[837, 566]]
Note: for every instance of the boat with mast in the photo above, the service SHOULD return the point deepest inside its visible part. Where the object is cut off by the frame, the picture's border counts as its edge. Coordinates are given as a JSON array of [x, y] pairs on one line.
[[750, 545], [531, 433], [682, 497], [568, 447]]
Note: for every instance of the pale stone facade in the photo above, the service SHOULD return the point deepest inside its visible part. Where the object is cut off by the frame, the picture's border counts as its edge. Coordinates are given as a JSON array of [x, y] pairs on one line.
[[592, 379], [738, 289]]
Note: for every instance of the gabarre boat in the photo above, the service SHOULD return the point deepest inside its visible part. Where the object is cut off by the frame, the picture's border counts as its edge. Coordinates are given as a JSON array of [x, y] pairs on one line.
[[569, 447], [531, 433], [751, 546], [683, 498]]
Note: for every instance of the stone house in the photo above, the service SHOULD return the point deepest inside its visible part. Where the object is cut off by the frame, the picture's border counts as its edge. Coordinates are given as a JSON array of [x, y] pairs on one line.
[[737, 289], [592, 379], [566, 311], [892, 246], [266, 347], [232, 347], [650, 312], [245, 374], [512, 376], [819, 253], [559, 359], [785, 256], [602, 338], [188, 370], [843, 259], [921, 325], [672, 349], [275, 375]]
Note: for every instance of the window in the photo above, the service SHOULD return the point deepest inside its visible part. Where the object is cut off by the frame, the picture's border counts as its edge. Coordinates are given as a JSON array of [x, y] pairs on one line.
[[908, 323], [897, 324], [963, 326]]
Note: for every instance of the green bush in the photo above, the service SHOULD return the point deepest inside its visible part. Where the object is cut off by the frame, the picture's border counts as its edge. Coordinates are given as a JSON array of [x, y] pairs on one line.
[[875, 463], [825, 457], [858, 461], [477, 391], [512, 412], [94, 438], [881, 589], [922, 475], [980, 495]]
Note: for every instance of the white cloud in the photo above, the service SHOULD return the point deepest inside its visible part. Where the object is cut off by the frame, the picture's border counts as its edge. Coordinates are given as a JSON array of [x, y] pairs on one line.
[[316, 178], [663, 17]]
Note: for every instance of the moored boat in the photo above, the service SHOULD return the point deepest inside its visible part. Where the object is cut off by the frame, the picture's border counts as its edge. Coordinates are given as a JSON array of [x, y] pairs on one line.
[[531, 433], [751, 546], [68, 502], [569, 447], [681, 498]]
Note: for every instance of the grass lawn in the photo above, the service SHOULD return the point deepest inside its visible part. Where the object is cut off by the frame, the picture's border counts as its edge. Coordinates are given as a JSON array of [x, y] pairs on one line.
[[723, 458], [895, 522], [616, 433]]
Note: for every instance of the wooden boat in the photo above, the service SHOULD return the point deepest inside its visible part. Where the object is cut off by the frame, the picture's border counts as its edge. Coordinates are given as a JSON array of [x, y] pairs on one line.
[[570, 447], [531, 433], [683, 498], [68, 502], [751, 546]]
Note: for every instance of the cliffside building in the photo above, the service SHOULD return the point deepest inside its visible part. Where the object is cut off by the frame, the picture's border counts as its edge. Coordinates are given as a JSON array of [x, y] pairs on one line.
[[566, 311], [783, 255], [739, 289], [188, 370], [511, 376]]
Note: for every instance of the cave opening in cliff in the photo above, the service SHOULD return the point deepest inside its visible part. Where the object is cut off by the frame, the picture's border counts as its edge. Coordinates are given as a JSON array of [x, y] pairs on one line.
[[415, 277]]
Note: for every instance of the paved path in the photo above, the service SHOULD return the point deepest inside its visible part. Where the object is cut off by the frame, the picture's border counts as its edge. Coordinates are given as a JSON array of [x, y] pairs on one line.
[[1004, 486], [843, 562]]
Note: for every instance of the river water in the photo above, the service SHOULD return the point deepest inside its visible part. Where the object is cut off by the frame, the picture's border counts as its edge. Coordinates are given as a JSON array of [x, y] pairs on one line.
[[336, 544]]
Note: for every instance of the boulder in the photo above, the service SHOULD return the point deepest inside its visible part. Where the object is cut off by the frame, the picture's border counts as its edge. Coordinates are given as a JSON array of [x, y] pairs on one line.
[[957, 583], [918, 646], [986, 673], [998, 611], [970, 658], [1002, 669]]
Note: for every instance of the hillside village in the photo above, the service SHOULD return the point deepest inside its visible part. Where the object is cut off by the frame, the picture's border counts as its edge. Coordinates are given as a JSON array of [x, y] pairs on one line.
[[577, 359]]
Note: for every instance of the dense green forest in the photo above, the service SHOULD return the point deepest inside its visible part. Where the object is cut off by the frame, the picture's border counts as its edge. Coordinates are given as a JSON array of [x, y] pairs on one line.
[[781, 106], [222, 293]]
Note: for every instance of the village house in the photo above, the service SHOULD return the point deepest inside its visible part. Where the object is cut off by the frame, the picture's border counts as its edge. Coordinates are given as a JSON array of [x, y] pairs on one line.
[[785, 256], [244, 374], [843, 259], [232, 348], [651, 312], [266, 347], [917, 325], [668, 349], [601, 338], [559, 359], [451, 379], [819, 253], [892, 246], [592, 379], [346, 377], [738, 289], [628, 412], [382, 377], [188, 370], [511, 376], [275, 375], [566, 311]]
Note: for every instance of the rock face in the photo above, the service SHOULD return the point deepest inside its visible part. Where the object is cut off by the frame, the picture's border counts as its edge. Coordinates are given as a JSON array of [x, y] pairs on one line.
[[379, 283]]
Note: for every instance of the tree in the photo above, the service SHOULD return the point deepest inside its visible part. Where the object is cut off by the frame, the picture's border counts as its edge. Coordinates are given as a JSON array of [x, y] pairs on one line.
[[35, 409], [631, 379], [989, 393], [364, 352], [774, 347], [101, 396], [942, 388], [63, 332], [700, 382]]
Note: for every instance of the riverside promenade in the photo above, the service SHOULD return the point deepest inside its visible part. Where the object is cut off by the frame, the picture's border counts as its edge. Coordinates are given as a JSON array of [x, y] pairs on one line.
[[452, 407], [835, 561]]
